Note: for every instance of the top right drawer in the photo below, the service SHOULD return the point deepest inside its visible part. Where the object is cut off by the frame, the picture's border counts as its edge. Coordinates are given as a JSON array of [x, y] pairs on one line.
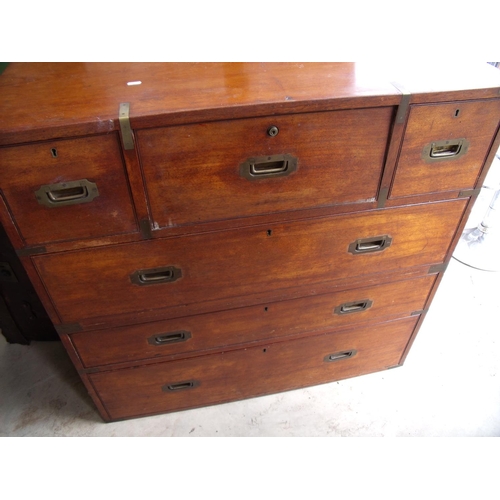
[[445, 146]]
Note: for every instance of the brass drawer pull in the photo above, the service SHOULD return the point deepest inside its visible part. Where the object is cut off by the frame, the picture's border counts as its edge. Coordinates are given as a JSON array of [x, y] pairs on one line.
[[340, 355], [263, 167], [353, 307], [180, 386], [367, 245], [444, 150], [155, 276], [67, 193], [169, 338]]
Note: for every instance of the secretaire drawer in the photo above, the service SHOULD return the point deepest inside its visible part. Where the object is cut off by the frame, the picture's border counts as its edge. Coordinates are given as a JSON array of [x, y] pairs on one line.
[[239, 168], [219, 270], [67, 189], [256, 371], [267, 322], [445, 146]]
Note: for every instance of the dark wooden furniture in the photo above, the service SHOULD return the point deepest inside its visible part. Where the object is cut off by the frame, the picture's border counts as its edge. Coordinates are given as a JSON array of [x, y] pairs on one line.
[[203, 233], [22, 315]]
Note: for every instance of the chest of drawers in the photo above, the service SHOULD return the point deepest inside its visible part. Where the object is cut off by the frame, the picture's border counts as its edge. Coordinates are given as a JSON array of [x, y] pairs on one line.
[[203, 233]]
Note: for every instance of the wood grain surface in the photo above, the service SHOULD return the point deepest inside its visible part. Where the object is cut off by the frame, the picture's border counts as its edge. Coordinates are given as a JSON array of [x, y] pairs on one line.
[[263, 323], [252, 372], [220, 267], [193, 172], [475, 121], [46, 100], [97, 159], [254, 269]]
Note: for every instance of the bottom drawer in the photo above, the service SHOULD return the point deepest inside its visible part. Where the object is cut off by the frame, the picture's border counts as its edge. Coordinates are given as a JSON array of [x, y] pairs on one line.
[[245, 373]]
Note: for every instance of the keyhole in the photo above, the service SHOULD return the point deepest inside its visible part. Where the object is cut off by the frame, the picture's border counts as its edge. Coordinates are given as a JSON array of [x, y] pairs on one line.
[[457, 112], [269, 232], [273, 131], [54, 152], [265, 309]]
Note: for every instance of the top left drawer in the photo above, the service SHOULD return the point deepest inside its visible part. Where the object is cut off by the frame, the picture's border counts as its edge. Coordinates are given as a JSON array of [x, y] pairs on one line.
[[66, 190]]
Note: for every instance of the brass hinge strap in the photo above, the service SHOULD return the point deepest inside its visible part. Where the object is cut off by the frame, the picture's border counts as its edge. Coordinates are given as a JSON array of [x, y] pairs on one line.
[[126, 129], [394, 144], [419, 312], [404, 103], [67, 328], [469, 192], [382, 197], [145, 226], [438, 268], [26, 252]]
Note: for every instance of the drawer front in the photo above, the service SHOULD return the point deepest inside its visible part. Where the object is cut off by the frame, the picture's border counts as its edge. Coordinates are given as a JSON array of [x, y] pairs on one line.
[[445, 146], [67, 189], [199, 173], [268, 322], [230, 267], [245, 373]]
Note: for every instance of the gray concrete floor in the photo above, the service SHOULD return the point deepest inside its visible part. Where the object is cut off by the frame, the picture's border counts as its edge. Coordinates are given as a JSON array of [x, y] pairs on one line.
[[449, 385]]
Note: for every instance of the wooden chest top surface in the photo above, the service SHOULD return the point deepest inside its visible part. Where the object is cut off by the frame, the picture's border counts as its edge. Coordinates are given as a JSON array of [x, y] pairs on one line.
[[41, 101]]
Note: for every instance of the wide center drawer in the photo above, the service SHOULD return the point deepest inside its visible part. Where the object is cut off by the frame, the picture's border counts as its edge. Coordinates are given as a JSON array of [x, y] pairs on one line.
[[239, 168], [242, 267], [229, 376]]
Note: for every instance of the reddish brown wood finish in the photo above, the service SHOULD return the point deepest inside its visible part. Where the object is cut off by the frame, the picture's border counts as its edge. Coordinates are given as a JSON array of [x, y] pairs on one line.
[[193, 172], [263, 263], [220, 266], [88, 385], [263, 323], [98, 159], [40, 289], [252, 372], [477, 122], [8, 224], [470, 204], [43, 101]]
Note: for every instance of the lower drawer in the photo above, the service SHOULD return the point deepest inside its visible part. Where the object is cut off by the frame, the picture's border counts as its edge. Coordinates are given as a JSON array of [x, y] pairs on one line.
[[262, 323], [180, 276], [245, 373]]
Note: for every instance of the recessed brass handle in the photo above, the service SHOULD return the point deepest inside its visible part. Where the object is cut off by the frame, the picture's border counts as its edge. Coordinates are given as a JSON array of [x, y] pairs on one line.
[[442, 151], [271, 167], [156, 275], [67, 193], [169, 338], [445, 150], [337, 356], [263, 167], [368, 245], [353, 307], [180, 386]]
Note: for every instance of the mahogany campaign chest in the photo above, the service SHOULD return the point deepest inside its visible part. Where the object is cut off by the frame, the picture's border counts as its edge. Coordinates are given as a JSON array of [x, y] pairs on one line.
[[204, 233]]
